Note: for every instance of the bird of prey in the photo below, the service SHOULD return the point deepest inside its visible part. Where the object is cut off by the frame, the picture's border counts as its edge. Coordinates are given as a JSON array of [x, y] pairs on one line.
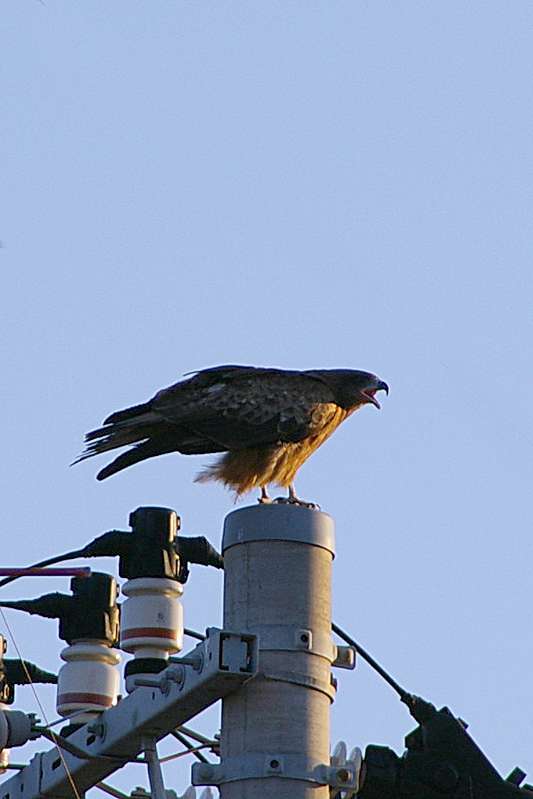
[[267, 422]]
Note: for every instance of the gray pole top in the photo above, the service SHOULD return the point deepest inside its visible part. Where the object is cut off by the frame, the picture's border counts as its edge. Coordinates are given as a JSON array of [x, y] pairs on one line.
[[279, 523]]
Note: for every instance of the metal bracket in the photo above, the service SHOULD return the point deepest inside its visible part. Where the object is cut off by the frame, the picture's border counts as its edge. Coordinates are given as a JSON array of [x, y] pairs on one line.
[[237, 649], [285, 766], [295, 678], [345, 657], [288, 638]]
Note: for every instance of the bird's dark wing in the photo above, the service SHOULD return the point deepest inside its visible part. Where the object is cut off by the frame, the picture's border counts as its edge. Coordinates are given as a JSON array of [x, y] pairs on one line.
[[185, 392], [244, 408], [218, 409]]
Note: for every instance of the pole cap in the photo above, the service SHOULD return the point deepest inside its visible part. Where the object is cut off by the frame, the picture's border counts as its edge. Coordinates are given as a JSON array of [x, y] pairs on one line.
[[279, 523]]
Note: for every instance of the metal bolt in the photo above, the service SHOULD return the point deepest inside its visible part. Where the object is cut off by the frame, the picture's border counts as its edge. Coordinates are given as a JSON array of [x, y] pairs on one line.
[[97, 728], [176, 673], [196, 661], [147, 682], [343, 775]]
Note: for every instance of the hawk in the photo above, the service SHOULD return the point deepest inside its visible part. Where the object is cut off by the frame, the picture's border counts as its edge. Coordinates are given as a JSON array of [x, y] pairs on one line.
[[267, 422]]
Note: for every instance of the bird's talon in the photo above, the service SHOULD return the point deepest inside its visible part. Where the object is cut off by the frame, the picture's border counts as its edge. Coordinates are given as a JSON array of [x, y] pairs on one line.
[[295, 501], [310, 505]]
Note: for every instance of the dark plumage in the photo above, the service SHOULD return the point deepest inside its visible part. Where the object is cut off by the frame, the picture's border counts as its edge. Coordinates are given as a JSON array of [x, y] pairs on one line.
[[267, 421]]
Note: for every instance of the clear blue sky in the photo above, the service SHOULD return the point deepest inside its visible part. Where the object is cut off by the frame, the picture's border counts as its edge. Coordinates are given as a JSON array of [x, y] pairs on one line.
[[298, 184]]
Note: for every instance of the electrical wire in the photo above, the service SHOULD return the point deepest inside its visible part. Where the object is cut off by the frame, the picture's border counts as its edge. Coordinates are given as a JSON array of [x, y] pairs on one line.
[[188, 745], [176, 755], [72, 749], [106, 788], [404, 695], [61, 721], [197, 736], [75, 553], [81, 754]]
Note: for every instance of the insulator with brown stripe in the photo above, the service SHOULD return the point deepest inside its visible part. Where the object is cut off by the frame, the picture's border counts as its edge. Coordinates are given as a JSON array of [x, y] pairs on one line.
[[151, 623], [88, 681]]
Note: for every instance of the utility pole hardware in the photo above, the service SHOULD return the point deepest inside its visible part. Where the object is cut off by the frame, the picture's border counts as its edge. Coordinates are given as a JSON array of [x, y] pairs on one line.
[[271, 665]]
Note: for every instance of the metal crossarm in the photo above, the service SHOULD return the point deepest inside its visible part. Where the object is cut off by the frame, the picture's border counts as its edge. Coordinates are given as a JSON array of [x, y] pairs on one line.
[[222, 663]]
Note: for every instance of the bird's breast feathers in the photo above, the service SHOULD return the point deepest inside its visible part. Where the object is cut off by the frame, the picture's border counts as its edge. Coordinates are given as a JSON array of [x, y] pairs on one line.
[[252, 467]]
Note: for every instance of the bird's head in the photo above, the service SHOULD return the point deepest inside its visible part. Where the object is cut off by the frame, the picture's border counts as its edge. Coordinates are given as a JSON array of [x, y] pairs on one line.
[[352, 387]]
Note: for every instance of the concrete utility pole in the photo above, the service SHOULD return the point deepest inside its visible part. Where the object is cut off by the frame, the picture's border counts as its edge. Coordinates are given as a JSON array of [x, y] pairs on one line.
[[275, 730]]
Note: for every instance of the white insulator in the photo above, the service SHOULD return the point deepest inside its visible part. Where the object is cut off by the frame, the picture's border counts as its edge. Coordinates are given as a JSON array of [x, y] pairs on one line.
[[355, 762], [152, 617], [89, 680], [207, 793], [190, 793], [340, 752], [356, 757]]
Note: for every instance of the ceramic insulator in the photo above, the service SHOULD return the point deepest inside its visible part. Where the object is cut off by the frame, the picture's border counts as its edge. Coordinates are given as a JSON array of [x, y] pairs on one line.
[[152, 617], [89, 680]]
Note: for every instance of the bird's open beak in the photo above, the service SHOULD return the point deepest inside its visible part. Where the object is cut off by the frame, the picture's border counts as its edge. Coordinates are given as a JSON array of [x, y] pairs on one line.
[[370, 393]]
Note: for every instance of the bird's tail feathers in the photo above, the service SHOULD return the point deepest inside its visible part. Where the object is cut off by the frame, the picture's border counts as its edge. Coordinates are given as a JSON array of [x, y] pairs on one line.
[[117, 435], [125, 427], [129, 414], [142, 451], [110, 442]]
